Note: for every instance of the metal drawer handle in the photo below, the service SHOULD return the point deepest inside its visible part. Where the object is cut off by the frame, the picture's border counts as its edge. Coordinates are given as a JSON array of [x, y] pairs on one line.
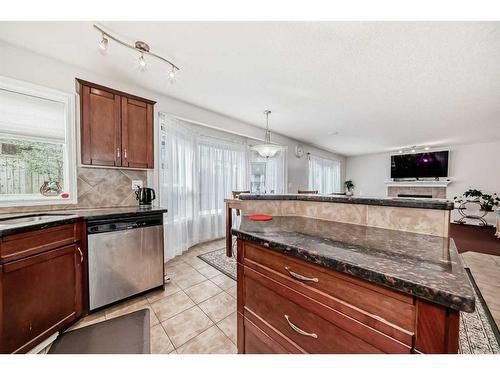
[[298, 330], [118, 152], [81, 254], [300, 277]]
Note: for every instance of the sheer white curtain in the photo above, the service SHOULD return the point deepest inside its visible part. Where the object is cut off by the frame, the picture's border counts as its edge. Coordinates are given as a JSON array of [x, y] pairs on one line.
[[197, 173], [178, 184], [324, 175], [222, 170]]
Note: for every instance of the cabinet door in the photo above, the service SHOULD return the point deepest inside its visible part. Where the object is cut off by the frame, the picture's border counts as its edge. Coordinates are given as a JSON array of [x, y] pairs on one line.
[[39, 295], [137, 133], [100, 127]]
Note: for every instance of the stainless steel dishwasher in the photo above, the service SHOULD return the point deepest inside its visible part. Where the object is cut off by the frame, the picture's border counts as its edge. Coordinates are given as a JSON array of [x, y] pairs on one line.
[[125, 257]]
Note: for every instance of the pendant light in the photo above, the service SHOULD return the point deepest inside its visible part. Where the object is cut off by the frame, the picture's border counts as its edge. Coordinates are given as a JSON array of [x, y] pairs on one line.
[[267, 149]]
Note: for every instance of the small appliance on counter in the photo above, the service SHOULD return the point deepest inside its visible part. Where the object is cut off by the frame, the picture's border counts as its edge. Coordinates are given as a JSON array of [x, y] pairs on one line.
[[145, 196]]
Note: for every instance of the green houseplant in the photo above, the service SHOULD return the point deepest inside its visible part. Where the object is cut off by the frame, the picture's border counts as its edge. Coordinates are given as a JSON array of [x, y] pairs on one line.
[[487, 201], [349, 186]]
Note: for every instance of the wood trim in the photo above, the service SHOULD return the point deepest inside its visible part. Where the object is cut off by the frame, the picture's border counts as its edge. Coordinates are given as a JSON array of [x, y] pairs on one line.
[[85, 125], [124, 130], [66, 322], [150, 136], [437, 329], [82, 82], [103, 93], [118, 132], [288, 345], [269, 340], [229, 236]]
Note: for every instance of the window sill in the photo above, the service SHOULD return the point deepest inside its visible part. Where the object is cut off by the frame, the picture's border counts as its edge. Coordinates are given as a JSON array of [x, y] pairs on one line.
[[21, 201]]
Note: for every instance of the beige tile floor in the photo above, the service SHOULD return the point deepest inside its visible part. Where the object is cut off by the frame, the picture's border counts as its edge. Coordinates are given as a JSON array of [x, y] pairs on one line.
[[486, 272], [195, 314]]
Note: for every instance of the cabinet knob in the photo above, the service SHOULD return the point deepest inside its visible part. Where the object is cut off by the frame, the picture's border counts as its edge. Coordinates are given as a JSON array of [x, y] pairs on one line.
[[125, 153], [118, 152]]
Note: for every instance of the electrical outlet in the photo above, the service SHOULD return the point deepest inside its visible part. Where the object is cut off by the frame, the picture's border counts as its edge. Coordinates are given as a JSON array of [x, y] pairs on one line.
[[136, 183]]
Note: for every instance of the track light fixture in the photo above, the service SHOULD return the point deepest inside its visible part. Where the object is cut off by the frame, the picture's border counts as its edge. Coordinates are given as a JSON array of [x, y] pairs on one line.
[[413, 149], [139, 46]]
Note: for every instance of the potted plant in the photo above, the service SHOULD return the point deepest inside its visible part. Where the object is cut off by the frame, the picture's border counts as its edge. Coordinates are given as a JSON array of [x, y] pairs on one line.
[[349, 187], [489, 201]]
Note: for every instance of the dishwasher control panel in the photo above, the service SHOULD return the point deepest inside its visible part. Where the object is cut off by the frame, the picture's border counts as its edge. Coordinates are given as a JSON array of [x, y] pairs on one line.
[[112, 225]]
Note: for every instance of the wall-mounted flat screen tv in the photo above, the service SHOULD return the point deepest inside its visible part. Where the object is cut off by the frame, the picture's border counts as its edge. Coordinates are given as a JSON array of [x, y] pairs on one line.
[[420, 165]]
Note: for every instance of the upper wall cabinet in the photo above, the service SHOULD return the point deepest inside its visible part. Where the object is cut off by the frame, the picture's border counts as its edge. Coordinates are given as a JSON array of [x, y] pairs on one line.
[[116, 128]]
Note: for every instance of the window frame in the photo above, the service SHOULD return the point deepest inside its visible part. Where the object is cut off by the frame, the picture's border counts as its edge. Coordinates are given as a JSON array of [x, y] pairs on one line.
[[69, 155]]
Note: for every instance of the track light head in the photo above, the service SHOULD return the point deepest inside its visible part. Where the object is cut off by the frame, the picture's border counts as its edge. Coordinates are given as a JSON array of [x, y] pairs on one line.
[[172, 75], [103, 44], [142, 62]]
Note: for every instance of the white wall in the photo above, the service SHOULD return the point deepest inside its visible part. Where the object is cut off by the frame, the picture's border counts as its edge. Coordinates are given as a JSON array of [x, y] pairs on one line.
[[32, 67], [471, 166]]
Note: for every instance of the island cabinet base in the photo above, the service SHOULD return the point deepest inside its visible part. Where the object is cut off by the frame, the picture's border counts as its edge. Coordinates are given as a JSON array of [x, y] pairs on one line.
[[286, 305]]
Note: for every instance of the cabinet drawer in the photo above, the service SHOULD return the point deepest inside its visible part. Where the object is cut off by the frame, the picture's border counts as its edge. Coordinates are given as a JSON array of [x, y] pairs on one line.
[[312, 326], [379, 307], [30, 243]]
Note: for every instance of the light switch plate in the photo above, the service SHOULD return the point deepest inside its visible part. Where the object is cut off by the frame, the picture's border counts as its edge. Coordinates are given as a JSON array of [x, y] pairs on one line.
[[136, 183]]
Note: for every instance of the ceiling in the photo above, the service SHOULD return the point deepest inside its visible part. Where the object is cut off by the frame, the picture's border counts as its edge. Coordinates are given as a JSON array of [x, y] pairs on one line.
[[349, 87]]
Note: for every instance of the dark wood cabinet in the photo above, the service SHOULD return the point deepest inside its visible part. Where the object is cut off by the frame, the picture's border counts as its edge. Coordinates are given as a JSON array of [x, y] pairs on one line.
[[41, 293], [101, 133], [137, 133], [286, 305], [116, 127]]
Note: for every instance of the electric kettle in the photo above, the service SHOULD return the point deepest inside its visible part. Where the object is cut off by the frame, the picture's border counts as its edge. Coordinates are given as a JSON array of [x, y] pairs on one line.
[[145, 196]]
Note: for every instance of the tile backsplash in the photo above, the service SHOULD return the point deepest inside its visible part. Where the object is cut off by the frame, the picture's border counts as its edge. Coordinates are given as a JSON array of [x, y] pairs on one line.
[[97, 188]]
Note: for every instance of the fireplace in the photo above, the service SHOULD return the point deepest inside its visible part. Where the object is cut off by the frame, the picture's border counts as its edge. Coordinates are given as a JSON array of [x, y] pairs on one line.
[[414, 195], [417, 191]]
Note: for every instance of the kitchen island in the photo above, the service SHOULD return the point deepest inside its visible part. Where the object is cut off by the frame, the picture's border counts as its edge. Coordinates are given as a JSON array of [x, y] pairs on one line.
[[311, 285]]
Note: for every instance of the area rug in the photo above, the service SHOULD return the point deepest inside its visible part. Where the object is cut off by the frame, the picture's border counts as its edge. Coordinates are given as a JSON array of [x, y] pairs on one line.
[[478, 331], [219, 260]]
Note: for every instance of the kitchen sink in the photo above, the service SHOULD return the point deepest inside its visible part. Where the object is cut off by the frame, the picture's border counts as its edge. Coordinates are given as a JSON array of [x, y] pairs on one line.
[[27, 219]]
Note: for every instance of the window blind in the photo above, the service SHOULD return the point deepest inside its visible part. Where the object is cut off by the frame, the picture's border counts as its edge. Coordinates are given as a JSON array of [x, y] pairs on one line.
[[31, 117]]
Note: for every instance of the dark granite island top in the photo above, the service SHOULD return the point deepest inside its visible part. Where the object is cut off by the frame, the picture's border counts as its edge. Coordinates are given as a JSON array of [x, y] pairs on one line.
[[425, 266], [429, 203], [13, 223]]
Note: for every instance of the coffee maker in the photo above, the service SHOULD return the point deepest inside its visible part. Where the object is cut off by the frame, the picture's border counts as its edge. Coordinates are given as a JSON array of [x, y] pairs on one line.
[[145, 196]]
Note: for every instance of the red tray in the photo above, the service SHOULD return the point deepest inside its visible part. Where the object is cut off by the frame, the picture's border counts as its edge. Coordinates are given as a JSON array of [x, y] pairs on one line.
[[258, 217]]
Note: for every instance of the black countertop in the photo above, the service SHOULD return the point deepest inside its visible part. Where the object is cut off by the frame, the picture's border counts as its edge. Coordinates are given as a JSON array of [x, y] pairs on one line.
[[425, 266], [430, 203], [60, 217]]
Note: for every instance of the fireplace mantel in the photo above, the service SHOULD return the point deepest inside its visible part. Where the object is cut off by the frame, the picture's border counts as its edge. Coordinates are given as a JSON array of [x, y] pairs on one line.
[[418, 183]]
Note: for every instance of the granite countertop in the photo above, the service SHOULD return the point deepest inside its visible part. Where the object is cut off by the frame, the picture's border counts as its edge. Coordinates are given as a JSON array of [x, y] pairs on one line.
[[59, 217], [430, 203], [425, 266]]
